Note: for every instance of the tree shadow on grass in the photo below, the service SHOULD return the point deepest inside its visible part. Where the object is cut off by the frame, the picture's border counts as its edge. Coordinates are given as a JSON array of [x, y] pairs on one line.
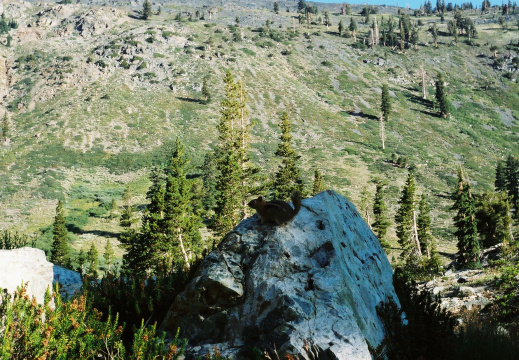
[[189, 100], [361, 114], [428, 113], [418, 99]]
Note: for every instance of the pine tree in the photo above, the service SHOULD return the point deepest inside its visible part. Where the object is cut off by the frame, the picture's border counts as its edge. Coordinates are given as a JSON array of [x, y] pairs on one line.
[[353, 29], [231, 158], [276, 7], [382, 222], [318, 185], [494, 220], [341, 28], [205, 92], [108, 254], [423, 223], [406, 222], [60, 249], [146, 10], [466, 224], [5, 127], [431, 263], [181, 223], [81, 260], [500, 182], [434, 33], [441, 97], [364, 205], [327, 20], [141, 246], [126, 216], [512, 180], [288, 177], [385, 107], [92, 261]]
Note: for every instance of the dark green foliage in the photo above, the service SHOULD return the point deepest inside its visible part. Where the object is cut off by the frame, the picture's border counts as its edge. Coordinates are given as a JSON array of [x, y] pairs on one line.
[[501, 181], [206, 94], [209, 178], [431, 262], [466, 224], [340, 28], [236, 178], [288, 177], [508, 301], [72, 330], [9, 241], [318, 185], [512, 180], [493, 219], [405, 220], [276, 7], [108, 254], [4, 26], [92, 261], [429, 332], [60, 248], [146, 10], [81, 261], [126, 215], [136, 298], [380, 211], [385, 105], [441, 97], [180, 222]]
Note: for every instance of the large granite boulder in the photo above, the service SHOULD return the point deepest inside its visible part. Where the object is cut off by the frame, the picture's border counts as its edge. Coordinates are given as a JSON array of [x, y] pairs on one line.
[[29, 265], [309, 288]]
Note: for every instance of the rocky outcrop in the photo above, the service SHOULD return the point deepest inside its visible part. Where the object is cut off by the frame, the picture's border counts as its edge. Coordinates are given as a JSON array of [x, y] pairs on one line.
[[309, 288], [29, 265]]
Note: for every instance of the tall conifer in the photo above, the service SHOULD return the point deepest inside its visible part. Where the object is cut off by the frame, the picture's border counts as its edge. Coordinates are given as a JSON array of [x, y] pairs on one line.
[[288, 177], [318, 185], [500, 182], [512, 180], [466, 224], [92, 261], [228, 211], [405, 219], [181, 224], [441, 97], [60, 249], [108, 254], [382, 222]]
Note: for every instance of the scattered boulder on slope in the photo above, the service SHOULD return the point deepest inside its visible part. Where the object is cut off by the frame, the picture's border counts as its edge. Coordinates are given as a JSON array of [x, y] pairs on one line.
[[309, 288], [29, 265]]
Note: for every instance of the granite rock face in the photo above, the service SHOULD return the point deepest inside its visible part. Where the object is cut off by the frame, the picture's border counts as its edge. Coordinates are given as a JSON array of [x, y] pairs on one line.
[[29, 265], [309, 288]]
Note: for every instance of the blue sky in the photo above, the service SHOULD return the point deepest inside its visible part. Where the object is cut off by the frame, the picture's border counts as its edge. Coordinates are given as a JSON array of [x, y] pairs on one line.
[[415, 4]]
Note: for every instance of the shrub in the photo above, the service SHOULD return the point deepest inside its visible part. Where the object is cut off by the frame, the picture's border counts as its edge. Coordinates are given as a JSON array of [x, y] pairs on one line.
[[142, 65], [100, 63], [72, 330], [9, 241]]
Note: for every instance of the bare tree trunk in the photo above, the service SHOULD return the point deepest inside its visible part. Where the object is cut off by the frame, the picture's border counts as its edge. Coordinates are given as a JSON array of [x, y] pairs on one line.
[[382, 133], [182, 248], [422, 74], [415, 235]]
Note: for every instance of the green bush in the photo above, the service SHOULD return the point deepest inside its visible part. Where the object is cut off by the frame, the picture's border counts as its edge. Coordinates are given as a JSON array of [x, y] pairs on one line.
[[72, 330], [9, 241]]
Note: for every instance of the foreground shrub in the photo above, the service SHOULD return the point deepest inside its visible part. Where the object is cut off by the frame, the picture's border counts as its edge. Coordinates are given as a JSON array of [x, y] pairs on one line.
[[60, 329]]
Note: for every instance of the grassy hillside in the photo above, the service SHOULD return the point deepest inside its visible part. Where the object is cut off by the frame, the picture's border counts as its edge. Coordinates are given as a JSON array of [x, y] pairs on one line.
[[96, 96]]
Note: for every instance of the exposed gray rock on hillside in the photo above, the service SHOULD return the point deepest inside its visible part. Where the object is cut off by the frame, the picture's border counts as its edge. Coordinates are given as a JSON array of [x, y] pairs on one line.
[[309, 288], [29, 265]]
